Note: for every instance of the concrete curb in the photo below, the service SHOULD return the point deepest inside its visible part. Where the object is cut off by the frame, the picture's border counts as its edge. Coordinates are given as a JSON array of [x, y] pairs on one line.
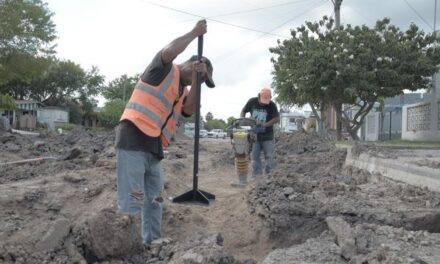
[[396, 170]]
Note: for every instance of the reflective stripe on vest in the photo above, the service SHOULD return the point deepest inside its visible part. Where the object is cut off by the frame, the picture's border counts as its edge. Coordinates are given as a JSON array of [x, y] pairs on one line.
[[150, 106], [158, 93], [170, 128]]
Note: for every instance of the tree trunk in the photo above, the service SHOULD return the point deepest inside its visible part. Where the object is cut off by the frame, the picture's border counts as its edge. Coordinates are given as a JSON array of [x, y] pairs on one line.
[[354, 122], [321, 128], [353, 133], [338, 109]]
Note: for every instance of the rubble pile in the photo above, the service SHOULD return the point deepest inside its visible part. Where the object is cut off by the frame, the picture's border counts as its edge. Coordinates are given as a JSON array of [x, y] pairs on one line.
[[309, 185], [63, 210], [310, 208]]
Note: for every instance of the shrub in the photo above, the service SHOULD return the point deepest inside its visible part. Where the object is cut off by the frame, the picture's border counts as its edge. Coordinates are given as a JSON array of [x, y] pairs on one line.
[[65, 126], [110, 114]]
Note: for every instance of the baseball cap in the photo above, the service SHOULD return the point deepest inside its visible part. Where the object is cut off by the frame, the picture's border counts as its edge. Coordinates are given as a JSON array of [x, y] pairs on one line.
[[265, 95], [209, 81]]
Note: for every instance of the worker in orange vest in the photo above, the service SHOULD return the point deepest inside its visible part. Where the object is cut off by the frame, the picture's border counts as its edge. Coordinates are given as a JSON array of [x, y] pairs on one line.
[[147, 125]]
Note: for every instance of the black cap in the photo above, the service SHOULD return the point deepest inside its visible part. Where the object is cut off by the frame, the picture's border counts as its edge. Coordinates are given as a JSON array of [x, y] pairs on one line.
[[209, 81]]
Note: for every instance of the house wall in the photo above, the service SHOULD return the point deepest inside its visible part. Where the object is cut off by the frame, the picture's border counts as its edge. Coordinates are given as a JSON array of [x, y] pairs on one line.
[[51, 117], [372, 123], [422, 121], [291, 122], [396, 126]]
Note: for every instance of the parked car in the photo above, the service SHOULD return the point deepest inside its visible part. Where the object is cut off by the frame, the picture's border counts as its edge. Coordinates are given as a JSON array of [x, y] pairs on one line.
[[217, 133], [203, 133]]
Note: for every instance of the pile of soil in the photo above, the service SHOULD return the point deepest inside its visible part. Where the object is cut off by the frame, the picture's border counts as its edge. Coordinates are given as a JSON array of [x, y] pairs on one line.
[[310, 209], [63, 210], [310, 185]]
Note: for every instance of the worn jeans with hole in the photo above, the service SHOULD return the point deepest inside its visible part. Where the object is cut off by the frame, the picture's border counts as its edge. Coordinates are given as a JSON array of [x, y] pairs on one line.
[[268, 148], [140, 184]]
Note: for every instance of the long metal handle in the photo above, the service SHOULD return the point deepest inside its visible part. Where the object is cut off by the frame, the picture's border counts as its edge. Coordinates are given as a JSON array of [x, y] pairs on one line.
[[197, 117]]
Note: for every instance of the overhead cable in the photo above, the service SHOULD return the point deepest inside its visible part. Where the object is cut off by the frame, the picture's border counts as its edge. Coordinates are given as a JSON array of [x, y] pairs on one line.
[[418, 14], [214, 20]]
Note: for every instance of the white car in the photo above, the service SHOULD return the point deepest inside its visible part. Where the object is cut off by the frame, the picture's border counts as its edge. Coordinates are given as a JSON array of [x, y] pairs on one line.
[[203, 133], [217, 133]]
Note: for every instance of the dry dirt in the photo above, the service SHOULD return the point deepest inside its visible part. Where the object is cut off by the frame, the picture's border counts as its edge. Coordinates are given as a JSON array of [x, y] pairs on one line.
[[308, 210]]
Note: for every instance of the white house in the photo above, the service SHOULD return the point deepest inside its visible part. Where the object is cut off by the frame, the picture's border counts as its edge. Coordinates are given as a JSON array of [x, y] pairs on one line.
[[292, 121], [52, 115]]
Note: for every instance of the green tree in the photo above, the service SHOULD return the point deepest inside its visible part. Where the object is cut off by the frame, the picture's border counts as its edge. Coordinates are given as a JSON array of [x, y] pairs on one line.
[[120, 88], [230, 121], [215, 123], [26, 36], [7, 102], [61, 82], [111, 112], [209, 116], [323, 66]]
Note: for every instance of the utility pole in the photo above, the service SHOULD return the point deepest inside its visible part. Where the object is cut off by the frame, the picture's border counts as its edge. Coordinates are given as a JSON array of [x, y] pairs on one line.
[[339, 107], [123, 93], [435, 18], [435, 85], [337, 6]]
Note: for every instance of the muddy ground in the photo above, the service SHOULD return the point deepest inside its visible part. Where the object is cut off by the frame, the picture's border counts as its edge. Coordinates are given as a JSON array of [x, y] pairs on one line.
[[310, 209]]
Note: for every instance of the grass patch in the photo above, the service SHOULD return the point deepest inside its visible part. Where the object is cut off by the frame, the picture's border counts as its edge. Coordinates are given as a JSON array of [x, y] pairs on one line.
[[65, 126], [345, 142], [409, 142], [394, 142]]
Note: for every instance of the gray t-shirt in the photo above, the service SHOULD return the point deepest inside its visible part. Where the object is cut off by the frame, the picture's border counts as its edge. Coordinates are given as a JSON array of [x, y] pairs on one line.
[[128, 136]]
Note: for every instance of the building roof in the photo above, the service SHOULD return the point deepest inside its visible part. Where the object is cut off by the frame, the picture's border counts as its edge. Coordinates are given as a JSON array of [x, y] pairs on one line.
[[18, 102], [404, 99], [54, 108]]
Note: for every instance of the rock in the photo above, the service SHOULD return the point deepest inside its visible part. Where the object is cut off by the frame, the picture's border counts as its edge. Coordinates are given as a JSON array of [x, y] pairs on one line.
[[344, 235], [108, 234], [192, 258], [38, 144], [55, 235], [288, 191]]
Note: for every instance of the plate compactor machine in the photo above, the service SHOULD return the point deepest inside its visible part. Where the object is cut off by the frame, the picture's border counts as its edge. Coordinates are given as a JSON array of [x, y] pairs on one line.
[[243, 135]]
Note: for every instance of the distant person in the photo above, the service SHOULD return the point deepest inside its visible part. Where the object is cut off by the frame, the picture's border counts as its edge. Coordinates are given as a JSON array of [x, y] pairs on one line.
[[147, 125], [266, 114]]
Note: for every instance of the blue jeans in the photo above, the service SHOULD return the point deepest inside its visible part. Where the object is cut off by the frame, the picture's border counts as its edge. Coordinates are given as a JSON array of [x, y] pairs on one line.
[[140, 184], [268, 148]]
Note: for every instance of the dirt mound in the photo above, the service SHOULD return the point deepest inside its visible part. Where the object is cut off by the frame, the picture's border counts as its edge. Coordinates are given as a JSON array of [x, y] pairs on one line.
[[362, 243], [51, 153], [63, 210], [310, 184]]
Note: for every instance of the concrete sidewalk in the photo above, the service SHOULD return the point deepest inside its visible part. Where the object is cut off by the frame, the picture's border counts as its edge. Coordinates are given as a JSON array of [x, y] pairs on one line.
[[418, 167]]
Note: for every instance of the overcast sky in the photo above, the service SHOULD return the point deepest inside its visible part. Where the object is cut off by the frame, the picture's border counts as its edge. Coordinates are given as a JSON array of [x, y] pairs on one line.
[[121, 37]]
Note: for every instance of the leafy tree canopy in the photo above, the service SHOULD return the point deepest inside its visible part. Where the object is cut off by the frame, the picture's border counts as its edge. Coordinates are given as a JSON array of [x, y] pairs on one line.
[[215, 123], [112, 111], [120, 88], [209, 116], [62, 81], [26, 35], [322, 65], [7, 102]]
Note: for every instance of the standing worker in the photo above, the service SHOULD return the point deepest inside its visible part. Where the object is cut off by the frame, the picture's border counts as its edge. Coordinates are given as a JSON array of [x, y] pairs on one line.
[[147, 125], [265, 113]]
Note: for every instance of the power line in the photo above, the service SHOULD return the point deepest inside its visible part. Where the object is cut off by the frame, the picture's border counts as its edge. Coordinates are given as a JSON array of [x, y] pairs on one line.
[[259, 8], [418, 14], [275, 28], [250, 10], [367, 19], [214, 20]]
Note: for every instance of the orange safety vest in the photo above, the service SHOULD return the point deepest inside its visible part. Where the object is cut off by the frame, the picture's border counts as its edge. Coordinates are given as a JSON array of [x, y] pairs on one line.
[[156, 109]]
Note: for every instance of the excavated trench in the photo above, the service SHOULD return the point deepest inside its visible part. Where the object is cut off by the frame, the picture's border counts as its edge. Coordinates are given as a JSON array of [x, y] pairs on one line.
[[310, 186], [314, 209]]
